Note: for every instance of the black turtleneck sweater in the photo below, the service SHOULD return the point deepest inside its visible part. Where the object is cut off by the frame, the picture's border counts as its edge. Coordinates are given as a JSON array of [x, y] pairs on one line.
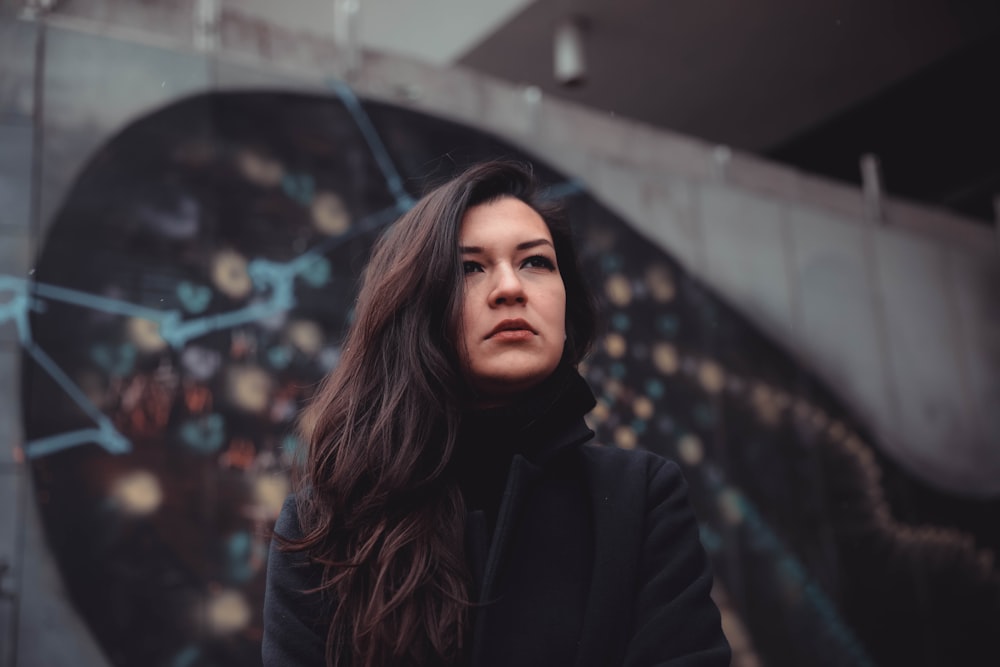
[[579, 555], [489, 438]]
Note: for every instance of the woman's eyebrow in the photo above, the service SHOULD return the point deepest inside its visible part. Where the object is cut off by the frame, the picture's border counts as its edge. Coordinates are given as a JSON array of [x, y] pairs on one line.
[[474, 249], [533, 244]]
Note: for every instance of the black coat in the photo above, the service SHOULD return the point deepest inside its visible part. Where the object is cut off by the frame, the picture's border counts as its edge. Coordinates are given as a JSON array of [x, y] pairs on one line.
[[595, 561]]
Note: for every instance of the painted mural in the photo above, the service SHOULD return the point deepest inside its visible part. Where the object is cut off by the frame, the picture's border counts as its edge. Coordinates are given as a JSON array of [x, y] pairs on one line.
[[194, 288]]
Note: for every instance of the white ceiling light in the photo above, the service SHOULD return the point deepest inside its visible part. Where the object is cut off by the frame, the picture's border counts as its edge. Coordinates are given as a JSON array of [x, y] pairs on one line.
[[570, 63]]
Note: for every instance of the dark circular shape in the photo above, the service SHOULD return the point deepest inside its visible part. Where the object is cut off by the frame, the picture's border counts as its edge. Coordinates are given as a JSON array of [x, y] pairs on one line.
[[196, 284]]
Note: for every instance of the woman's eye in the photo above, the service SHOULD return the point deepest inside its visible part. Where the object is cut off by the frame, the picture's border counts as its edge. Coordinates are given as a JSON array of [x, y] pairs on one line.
[[539, 262], [471, 267]]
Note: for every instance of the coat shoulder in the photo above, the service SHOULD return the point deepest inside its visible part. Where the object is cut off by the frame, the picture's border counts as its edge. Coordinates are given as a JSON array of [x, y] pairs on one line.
[[628, 467]]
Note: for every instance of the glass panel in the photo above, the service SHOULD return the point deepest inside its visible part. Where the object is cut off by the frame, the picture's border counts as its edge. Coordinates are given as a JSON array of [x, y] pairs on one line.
[[93, 86], [15, 175], [17, 68]]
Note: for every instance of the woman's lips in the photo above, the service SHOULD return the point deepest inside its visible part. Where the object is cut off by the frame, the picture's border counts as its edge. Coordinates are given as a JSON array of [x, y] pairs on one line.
[[512, 330], [512, 335]]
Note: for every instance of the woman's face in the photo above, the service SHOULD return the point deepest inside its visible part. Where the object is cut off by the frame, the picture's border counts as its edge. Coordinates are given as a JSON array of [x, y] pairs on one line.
[[514, 305]]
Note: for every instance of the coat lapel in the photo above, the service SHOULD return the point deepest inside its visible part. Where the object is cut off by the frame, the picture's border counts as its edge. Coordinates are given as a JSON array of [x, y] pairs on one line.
[[619, 512], [522, 473]]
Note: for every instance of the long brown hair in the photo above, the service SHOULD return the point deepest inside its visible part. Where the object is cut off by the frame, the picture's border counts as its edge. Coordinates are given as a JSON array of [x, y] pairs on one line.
[[378, 508]]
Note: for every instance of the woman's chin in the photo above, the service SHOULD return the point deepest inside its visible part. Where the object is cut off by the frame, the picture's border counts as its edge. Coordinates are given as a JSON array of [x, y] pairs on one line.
[[505, 385]]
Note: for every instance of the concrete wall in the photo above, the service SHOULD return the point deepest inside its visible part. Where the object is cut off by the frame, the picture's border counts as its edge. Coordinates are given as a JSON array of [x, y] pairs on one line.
[[900, 318]]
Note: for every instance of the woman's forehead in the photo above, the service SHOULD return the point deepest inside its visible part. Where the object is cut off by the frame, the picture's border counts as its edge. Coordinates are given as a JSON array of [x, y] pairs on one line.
[[507, 220]]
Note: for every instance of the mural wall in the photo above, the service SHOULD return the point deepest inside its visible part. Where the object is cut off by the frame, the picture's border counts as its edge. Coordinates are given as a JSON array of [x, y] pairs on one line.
[[195, 285]]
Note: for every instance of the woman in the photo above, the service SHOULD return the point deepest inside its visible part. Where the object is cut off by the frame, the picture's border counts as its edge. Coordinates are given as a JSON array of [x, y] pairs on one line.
[[452, 512]]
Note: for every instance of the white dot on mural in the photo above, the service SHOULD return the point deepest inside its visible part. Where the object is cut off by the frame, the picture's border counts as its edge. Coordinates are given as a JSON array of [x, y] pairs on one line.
[[836, 431], [665, 358], [249, 388], [329, 214], [138, 493], [618, 289], [642, 407], [195, 152], [270, 491], [615, 345], [690, 450], [601, 412], [660, 283], [145, 334], [227, 612], [730, 507], [229, 273], [306, 335], [763, 399], [625, 437], [711, 376], [258, 169]]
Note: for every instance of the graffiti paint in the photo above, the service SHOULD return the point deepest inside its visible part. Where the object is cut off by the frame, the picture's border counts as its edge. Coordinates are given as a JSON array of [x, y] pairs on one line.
[[203, 289]]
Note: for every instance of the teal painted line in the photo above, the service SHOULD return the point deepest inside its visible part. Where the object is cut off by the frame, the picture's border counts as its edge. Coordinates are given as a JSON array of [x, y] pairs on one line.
[[563, 190], [246, 315], [187, 657], [788, 563], [364, 123], [105, 436], [176, 334], [15, 284], [63, 441], [63, 380], [279, 278], [367, 224], [101, 303], [17, 308]]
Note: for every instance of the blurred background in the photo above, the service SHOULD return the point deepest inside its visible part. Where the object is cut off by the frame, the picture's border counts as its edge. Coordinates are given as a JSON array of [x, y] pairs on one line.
[[789, 212]]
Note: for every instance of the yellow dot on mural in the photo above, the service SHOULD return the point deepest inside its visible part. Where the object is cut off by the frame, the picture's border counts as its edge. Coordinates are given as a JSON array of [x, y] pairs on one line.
[[665, 358], [690, 450], [613, 388], [229, 273], [269, 491], [92, 386], [836, 431], [763, 400], [625, 437], [615, 345], [138, 493], [329, 214], [660, 282], [711, 376], [306, 335], [781, 399], [618, 289], [249, 388], [730, 507], [227, 612], [258, 169], [197, 152], [642, 407], [145, 334], [600, 238], [854, 444]]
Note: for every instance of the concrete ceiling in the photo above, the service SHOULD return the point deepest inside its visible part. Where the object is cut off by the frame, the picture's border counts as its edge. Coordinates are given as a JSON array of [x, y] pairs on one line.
[[433, 31], [811, 83], [747, 73]]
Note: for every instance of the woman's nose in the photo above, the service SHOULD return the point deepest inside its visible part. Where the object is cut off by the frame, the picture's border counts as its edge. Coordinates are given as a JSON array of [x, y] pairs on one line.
[[508, 288]]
